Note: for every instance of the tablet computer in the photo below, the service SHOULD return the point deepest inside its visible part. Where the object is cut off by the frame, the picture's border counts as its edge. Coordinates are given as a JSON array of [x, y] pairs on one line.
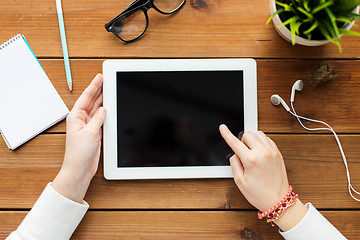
[[163, 116]]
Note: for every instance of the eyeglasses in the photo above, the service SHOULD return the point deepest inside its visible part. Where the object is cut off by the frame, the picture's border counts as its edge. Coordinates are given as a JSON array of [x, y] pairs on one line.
[[133, 21]]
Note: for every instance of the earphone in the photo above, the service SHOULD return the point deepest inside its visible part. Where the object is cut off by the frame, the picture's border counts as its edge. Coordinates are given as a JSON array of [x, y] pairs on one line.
[[298, 86]]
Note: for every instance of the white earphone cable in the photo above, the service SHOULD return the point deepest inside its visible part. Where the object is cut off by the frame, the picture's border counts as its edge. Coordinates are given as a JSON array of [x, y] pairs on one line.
[[329, 128]]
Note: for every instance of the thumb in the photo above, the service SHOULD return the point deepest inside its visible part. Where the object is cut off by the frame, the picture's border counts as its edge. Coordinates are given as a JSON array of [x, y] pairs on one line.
[[97, 120]]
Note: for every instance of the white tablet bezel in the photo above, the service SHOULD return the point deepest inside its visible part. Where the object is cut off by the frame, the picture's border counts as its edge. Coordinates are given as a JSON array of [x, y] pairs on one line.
[[111, 67]]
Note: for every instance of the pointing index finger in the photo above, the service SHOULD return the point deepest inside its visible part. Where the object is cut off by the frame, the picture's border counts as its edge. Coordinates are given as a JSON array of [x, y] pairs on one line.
[[234, 143]]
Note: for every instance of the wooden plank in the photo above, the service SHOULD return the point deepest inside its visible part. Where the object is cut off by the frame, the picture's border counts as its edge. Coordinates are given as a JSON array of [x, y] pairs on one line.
[[334, 101], [315, 169], [336, 98], [231, 29], [181, 225]]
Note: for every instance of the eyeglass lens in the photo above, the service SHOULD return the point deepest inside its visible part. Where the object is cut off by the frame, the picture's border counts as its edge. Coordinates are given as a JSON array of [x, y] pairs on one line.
[[167, 6], [131, 26], [134, 24]]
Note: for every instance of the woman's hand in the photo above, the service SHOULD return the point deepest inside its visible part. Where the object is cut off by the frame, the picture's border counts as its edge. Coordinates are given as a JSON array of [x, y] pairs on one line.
[[83, 143], [259, 172], [258, 168]]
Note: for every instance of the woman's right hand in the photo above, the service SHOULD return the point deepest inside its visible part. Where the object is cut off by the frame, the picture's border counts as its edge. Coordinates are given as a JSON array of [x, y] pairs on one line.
[[260, 174]]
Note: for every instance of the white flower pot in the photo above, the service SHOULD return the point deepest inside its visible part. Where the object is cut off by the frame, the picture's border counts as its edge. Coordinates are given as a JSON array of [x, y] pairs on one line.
[[285, 33]]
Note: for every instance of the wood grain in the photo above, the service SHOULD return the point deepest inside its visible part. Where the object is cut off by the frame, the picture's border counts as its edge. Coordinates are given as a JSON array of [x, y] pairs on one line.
[[334, 101], [229, 28], [315, 169], [181, 225]]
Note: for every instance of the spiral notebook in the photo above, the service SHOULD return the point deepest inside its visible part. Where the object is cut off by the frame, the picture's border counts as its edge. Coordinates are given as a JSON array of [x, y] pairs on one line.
[[29, 103]]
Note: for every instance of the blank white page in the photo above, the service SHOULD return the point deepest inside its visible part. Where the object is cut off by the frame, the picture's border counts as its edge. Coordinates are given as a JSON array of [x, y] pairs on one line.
[[29, 103]]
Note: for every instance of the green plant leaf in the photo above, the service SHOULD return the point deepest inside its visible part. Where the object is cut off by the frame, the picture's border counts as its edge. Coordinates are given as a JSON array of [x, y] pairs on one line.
[[343, 7], [306, 5], [325, 33], [312, 28], [353, 15], [349, 32], [296, 26], [323, 29], [331, 30], [344, 20], [289, 21], [287, 7], [322, 7], [275, 13], [309, 15], [333, 21]]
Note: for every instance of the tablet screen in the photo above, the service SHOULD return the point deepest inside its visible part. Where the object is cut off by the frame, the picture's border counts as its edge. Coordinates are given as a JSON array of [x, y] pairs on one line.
[[172, 118]]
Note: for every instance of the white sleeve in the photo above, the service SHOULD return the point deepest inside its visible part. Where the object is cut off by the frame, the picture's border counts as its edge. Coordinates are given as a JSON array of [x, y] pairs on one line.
[[313, 226], [52, 217]]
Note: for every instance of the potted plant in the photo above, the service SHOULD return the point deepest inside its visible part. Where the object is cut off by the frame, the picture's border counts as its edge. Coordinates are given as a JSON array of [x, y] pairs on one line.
[[314, 22]]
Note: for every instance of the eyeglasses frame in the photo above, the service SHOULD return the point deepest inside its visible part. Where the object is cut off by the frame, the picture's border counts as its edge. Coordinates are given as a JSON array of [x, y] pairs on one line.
[[131, 9]]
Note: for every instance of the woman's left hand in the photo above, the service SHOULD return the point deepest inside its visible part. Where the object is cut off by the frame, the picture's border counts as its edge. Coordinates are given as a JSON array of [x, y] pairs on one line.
[[83, 143]]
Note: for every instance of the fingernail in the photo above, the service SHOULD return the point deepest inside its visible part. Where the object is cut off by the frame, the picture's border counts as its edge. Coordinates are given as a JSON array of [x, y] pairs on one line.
[[102, 110], [223, 127]]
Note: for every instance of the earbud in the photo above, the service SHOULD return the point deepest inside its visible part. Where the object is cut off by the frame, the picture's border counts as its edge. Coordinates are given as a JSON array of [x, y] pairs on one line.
[[276, 100], [298, 86]]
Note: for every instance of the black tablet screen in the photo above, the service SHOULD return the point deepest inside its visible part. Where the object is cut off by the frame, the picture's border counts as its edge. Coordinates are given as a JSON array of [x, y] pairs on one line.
[[173, 118]]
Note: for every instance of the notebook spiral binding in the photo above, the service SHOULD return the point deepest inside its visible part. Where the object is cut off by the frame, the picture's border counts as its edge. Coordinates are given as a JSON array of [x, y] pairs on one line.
[[10, 41]]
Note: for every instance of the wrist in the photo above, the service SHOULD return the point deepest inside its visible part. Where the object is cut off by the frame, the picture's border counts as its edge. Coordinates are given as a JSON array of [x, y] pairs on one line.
[[72, 185], [287, 213], [292, 216]]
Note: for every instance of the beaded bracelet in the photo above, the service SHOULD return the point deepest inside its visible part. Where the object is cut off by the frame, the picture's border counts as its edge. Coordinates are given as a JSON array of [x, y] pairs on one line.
[[266, 213], [278, 210]]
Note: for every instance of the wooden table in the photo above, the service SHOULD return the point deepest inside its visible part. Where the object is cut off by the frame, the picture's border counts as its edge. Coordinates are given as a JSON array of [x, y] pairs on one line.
[[190, 209]]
